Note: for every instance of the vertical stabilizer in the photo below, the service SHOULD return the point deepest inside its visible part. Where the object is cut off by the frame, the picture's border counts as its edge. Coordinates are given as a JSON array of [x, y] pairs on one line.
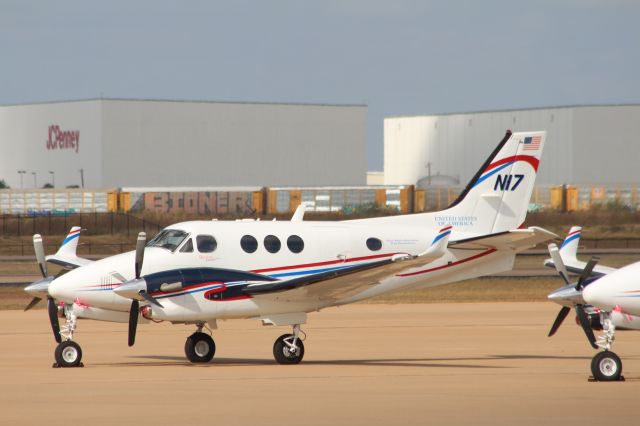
[[569, 247], [70, 244], [497, 198]]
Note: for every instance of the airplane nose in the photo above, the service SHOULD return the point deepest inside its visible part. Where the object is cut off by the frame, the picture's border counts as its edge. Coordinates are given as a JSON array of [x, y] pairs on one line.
[[597, 295]]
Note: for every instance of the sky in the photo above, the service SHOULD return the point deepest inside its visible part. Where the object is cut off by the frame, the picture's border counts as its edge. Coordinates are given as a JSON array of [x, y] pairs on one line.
[[398, 57]]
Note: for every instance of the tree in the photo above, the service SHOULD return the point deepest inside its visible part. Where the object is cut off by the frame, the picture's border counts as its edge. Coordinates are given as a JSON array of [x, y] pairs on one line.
[[3, 184], [47, 186]]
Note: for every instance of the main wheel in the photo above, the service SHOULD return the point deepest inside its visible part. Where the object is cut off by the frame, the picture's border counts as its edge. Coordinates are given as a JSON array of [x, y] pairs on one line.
[[284, 353], [68, 354], [606, 367], [199, 347]]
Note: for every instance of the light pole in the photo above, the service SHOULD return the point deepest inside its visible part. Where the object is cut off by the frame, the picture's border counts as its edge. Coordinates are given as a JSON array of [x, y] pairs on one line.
[[21, 173], [35, 179], [81, 177], [53, 178]]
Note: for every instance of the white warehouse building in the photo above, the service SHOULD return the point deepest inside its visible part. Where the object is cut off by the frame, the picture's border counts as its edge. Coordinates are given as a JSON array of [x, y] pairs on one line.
[[103, 143], [585, 145]]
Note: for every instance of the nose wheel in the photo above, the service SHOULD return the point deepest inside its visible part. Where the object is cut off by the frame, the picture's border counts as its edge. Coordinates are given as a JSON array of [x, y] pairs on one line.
[[68, 354], [606, 366]]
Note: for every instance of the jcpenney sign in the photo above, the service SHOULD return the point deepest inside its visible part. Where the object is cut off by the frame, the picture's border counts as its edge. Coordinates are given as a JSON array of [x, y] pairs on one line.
[[63, 139]]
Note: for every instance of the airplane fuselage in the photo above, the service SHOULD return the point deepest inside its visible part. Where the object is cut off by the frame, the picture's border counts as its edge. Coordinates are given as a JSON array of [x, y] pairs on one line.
[[279, 250]]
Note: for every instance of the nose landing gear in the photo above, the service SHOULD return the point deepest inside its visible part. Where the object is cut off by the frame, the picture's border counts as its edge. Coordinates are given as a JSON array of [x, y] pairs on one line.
[[68, 353], [606, 366]]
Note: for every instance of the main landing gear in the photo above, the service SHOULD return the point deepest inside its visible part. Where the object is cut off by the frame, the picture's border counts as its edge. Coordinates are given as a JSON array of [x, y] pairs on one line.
[[606, 366], [68, 353], [288, 348], [199, 347]]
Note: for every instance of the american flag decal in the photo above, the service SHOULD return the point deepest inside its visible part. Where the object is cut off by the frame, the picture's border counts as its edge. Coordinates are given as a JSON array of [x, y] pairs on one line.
[[532, 143]]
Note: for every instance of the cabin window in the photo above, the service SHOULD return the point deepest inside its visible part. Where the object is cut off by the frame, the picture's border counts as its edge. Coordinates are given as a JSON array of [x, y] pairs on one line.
[[206, 243], [272, 243], [249, 243], [374, 244], [187, 247], [295, 244]]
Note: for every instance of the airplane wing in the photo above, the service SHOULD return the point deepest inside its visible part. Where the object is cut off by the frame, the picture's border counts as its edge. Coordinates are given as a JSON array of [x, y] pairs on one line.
[[338, 284], [515, 240], [348, 281], [66, 254]]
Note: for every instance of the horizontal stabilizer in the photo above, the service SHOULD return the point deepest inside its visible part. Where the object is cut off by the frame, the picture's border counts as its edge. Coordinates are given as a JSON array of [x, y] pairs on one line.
[[514, 240]]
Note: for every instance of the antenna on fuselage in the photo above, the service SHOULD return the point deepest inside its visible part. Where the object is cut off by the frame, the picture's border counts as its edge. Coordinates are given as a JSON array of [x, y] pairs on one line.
[[298, 214]]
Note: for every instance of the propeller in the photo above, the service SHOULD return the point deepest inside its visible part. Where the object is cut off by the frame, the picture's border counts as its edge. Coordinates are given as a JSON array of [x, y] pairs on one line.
[[586, 325], [133, 321], [571, 295], [53, 319], [40, 288], [137, 287]]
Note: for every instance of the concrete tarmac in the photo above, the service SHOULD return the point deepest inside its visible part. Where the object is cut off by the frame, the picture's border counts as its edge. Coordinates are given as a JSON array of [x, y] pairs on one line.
[[366, 364]]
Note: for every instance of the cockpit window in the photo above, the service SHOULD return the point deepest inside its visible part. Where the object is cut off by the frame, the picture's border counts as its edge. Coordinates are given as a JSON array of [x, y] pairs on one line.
[[187, 247], [169, 239]]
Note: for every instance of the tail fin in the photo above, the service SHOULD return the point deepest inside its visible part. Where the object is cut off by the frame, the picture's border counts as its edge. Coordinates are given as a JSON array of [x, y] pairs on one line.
[[70, 243], [66, 255], [497, 198], [569, 247]]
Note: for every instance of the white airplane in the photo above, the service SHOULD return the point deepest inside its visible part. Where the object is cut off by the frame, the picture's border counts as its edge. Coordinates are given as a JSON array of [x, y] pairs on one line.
[[604, 299], [277, 271]]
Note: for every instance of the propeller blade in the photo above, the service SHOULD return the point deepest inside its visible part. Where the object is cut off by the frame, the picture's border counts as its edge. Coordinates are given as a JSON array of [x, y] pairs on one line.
[[142, 241], [146, 296], [133, 321], [557, 261], [586, 325], [33, 303], [586, 272], [564, 311], [38, 248], [53, 319]]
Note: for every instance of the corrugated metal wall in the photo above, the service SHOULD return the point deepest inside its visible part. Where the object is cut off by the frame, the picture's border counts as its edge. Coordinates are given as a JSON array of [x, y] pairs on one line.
[[584, 144]]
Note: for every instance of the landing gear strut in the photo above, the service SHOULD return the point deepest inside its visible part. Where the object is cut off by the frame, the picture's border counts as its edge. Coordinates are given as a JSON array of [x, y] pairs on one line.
[[68, 353], [606, 366], [288, 348], [199, 347]]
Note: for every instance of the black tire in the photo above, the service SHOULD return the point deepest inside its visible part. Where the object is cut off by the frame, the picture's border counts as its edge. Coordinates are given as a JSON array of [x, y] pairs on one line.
[[199, 347], [283, 355], [68, 354], [606, 367]]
